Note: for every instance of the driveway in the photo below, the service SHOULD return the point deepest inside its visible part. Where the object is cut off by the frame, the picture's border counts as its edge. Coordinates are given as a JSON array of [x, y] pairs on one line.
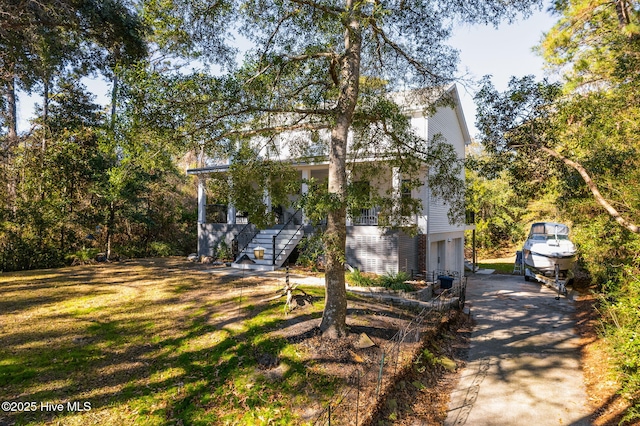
[[524, 361]]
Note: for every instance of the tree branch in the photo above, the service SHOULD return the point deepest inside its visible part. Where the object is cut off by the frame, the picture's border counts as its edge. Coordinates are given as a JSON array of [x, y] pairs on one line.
[[400, 51], [594, 189], [332, 10], [273, 129]]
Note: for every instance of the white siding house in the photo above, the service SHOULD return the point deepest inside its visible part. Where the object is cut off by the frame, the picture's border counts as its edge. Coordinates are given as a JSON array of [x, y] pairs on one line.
[[439, 245]]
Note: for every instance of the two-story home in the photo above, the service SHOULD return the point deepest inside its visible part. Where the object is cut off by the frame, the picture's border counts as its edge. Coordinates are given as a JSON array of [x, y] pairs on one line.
[[438, 245]]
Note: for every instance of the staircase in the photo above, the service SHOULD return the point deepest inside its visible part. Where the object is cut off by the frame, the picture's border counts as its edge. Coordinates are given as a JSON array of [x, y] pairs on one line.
[[286, 239]]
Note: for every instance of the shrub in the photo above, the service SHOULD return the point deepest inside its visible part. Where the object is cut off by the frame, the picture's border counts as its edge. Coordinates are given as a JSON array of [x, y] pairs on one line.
[[396, 281], [222, 251], [311, 251], [82, 257], [357, 278], [160, 249]]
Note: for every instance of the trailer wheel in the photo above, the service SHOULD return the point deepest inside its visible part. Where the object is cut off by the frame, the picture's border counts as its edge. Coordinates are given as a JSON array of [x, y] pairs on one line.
[[526, 277]]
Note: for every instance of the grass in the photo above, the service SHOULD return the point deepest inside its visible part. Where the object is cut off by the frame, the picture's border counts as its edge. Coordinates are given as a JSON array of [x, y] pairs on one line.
[[393, 281], [500, 267], [147, 343]]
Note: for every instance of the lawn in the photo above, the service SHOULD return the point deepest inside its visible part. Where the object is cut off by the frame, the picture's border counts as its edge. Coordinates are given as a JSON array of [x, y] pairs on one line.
[[164, 341], [498, 267], [148, 342]]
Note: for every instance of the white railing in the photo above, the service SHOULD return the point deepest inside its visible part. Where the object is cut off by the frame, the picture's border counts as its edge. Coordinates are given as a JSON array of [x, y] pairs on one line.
[[367, 217]]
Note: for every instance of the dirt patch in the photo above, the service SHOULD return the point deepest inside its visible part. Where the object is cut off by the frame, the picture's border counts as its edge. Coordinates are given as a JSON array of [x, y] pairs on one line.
[[607, 406], [420, 395]]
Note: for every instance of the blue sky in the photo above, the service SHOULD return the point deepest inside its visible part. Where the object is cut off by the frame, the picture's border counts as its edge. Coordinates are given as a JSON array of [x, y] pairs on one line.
[[502, 52]]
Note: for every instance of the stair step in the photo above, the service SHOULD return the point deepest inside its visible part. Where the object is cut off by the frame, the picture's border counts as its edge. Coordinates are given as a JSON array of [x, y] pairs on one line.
[[286, 241]]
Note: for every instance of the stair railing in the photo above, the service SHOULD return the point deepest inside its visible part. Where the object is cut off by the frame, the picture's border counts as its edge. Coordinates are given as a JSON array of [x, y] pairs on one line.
[[289, 225], [243, 238]]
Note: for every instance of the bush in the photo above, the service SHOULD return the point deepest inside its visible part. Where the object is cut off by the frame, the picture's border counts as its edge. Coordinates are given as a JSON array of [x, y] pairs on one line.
[[393, 281], [357, 278], [396, 281], [222, 251], [311, 251], [160, 249], [82, 257], [622, 333]]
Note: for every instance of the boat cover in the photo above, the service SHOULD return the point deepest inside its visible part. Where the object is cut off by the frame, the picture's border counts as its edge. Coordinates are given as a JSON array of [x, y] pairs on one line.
[[549, 228]]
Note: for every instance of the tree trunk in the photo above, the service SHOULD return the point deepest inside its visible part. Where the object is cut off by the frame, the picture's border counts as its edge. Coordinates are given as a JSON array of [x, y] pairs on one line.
[[12, 113], [45, 114], [334, 317], [110, 225], [594, 190], [11, 140]]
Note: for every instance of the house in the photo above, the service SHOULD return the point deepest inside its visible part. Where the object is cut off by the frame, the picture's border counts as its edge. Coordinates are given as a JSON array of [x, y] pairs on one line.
[[438, 246]]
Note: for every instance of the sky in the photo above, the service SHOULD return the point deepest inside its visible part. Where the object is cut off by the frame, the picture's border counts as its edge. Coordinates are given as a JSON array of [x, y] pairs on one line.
[[502, 52]]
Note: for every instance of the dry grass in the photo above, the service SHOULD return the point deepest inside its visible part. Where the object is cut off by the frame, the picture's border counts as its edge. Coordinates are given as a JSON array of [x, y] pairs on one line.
[[150, 342], [164, 341]]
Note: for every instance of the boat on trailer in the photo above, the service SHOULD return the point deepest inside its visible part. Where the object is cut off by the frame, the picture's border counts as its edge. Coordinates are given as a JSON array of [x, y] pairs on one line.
[[548, 252]]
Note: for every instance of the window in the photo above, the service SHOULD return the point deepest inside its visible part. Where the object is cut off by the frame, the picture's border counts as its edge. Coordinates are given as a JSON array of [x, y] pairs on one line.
[[405, 188]]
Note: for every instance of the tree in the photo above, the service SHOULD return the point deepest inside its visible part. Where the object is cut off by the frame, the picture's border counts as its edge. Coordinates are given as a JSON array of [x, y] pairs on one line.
[[325, 69], [583, 131], [587, 120]]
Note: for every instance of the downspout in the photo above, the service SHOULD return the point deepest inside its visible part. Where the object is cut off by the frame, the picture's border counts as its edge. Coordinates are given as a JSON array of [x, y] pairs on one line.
[[428, 254]]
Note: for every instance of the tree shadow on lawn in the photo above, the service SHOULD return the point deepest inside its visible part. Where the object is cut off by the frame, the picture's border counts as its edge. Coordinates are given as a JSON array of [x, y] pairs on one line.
[[153, 363]]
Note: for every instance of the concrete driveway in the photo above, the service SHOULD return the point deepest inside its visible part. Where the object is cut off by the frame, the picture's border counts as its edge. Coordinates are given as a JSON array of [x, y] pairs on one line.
[[524, 360]]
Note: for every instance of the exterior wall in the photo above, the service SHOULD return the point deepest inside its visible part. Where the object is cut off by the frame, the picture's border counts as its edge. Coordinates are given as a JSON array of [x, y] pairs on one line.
[[372, 249], [447, 248], [210, 235], [407, 253], [446, 252]]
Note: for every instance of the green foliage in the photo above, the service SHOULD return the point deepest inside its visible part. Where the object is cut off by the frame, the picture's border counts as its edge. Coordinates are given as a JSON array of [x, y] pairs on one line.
[[83, 256], [162, 249], [223, 251], [396, 281], [357, 278], [498, 210], [63, 190], [623, 335], [311, 251], [393, 281]]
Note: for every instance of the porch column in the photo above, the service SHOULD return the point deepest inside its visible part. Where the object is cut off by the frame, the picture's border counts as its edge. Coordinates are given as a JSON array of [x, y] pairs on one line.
[[231, 214], [202, 215], [231, 209], [396, 185], [202, 199], [306, 175], [266, 198], [349, 221], [396, 182]]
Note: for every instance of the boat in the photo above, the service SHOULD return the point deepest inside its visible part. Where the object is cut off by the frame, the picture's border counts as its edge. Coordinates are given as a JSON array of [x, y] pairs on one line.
[[548, 245]]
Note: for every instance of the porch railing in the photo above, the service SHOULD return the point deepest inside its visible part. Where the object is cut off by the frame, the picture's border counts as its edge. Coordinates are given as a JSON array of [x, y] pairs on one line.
[[367, 217]]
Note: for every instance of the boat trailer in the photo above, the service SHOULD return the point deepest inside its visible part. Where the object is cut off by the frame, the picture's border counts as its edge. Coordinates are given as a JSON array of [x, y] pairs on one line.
[[556, 281]]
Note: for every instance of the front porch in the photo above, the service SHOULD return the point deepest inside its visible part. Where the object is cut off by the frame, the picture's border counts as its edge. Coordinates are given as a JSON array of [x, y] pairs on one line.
[[370, 246]]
